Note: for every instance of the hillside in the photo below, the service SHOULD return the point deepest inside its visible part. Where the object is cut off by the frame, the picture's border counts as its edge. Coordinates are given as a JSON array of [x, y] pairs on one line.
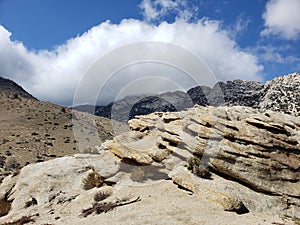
[[35, 131]]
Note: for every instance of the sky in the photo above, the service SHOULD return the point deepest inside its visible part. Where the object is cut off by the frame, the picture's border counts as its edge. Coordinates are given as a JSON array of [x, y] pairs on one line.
[[53, 47]]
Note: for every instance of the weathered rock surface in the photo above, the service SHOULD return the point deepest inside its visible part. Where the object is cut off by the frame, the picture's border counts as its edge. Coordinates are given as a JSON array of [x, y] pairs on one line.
[[261, 150], [258, 154], [282, 94]]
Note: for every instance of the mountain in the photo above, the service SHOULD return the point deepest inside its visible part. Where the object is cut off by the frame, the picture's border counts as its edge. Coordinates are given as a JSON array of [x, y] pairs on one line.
[[280, 94], [36, 131]]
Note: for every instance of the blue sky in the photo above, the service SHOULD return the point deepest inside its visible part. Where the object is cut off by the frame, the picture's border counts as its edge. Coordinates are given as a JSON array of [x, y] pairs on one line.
[[257, 39]]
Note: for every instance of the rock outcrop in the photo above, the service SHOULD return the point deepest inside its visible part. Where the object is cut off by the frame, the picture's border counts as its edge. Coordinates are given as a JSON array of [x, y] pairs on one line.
[[282, 94], [261, 150], [253, 159]]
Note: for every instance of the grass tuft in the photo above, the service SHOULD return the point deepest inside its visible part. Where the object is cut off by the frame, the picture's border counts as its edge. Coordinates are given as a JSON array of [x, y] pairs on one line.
[[93, 180]]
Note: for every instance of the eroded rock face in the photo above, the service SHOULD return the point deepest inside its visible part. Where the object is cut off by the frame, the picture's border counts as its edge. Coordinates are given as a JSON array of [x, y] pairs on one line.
[[261, 150]]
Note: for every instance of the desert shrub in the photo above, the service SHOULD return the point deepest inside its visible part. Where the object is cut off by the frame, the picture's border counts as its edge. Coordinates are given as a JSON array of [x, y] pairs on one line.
[[194, 164], [92, 180], [101, 195]]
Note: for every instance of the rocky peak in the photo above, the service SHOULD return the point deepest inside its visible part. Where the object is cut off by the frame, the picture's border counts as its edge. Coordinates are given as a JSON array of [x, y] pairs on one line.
[[282, 94]]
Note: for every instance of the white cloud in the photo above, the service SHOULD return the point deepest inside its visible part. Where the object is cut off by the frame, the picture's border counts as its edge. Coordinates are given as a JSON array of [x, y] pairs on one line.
[[279, 55], [54, 75], [154, 11], [282, 18]]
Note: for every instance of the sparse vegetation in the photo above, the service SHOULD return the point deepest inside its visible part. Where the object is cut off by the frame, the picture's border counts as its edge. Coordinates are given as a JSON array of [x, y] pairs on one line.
[[93, 180], [194, 164], [101, 195], [103, 207]]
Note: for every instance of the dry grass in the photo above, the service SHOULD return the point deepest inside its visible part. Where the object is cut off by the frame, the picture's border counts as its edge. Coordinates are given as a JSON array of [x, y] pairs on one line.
[[102, 195], [194, 164], [103, 207], [93, 180]]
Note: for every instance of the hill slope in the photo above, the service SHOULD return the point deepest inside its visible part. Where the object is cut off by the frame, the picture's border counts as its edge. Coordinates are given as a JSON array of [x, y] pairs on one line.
[[35, 131]]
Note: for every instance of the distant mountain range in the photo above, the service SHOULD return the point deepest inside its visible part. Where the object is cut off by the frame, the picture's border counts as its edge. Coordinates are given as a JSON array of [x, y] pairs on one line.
[[280, 94]]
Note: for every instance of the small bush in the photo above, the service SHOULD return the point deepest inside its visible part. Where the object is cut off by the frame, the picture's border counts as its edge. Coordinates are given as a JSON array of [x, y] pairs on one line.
[[93, 180], [102, 195], [194, 164]]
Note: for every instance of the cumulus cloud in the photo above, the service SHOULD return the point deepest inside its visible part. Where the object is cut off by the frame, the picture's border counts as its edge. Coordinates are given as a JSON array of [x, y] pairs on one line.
[[282, 18], [54, 75]]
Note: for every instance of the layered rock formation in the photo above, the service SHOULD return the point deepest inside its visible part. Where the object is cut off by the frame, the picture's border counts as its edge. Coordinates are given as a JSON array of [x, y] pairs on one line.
[[258, 154]]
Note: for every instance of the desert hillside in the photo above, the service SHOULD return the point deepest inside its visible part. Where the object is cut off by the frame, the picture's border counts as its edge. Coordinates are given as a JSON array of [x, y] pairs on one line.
[[36, 131]]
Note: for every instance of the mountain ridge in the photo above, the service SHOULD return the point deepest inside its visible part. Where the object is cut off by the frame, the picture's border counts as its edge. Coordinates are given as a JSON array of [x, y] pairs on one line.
[[276, 94], [13, 88]]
